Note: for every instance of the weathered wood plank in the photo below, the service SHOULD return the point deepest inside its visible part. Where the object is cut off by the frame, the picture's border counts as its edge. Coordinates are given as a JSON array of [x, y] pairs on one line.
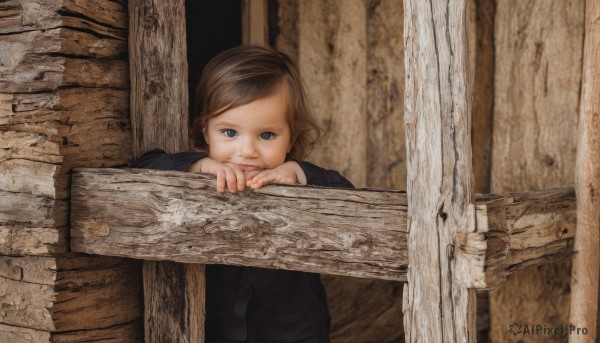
[[34, 73], [16, 240], [64, 105], [159, 86], [585, 274], [483, 90], [322, 235], [332, 61], [286, 39], [522, 230], [100, 142], [123, 333], [44, 135], [326, 232], [185, 300], [438, 306], [37, 178], [158, 60], [17, 334], [60, 40], [539, 50], [386, 157], [28, 210], [62, 292], [105, 18], [254, 22]]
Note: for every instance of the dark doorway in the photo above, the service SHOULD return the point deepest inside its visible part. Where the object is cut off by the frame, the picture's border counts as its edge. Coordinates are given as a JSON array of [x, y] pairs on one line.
[[211, 26]]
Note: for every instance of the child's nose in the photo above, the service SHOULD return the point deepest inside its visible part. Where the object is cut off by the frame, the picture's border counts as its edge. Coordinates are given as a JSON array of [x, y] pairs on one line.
[[248, 148]]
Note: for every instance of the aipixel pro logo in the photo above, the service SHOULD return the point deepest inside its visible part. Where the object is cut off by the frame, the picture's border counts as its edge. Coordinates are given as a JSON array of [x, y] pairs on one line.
[[546, 330]]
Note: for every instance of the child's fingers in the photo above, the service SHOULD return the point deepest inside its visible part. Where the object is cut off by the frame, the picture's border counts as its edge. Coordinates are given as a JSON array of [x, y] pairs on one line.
[[240, 179], [231, 179], [265, 179], [221, 180], [258, 179], [251, 174]]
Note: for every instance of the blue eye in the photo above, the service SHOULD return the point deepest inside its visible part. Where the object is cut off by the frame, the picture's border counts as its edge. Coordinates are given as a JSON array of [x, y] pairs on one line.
[[267, 135], [229, 132]]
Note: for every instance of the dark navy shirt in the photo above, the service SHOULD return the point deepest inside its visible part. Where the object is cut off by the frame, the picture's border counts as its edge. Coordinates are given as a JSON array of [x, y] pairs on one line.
[[249, 304]]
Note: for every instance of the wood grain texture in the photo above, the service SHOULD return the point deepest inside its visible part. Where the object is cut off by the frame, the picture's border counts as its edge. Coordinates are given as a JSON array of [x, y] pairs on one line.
[[521, 231], [105, 18], [326, 232], [48, 125], [332, 60], [537, 89], [356, 315], [60, 40], [158, 61], [34, 73], [586, 263], [438, 306], [124, 333], [17, 334], [28, 210], [180, 217], [64, 105], [45, 241], [44, 135], [61, 293], [159, 118], [286, 39], [386, 148], [483, 91], [183, 302], [538, 73]]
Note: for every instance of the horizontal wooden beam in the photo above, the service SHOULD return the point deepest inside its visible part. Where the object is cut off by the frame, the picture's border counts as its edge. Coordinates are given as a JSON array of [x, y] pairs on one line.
[[158, 215], [519, 230], [180, 217]]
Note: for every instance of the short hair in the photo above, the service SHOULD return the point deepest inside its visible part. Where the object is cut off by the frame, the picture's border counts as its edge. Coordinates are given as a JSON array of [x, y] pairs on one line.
[[246, 73]]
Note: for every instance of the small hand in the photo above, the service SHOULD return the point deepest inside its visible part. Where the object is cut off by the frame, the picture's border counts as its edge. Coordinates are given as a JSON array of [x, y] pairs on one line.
[[287, 173], [227, 174]]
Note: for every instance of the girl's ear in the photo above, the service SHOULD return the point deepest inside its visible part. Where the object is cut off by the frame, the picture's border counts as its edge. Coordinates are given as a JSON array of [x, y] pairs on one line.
[[205, 134]]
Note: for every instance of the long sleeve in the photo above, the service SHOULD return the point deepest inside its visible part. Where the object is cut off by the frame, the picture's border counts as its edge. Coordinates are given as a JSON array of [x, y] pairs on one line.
[[158, 159], [317, 176]]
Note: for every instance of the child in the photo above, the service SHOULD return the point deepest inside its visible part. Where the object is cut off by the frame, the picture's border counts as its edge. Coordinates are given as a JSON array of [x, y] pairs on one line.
[[255, 126]]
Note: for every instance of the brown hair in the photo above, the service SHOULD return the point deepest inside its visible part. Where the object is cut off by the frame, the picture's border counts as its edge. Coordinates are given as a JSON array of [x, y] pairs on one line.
[[246, 73]]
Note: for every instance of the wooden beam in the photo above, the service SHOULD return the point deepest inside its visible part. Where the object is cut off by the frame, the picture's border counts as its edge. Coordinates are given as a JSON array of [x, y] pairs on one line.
[[332, 40], [159, 119], [438, 306], [347, 232], [60, 293], [159, 75], [518, 231], [586, 264], [254, 22], [180, 217]]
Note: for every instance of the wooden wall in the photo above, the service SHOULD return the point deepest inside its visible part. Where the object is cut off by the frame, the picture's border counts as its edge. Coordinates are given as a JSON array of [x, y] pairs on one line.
[[527, 68], [64, 103], [539, 51], [351, 57]]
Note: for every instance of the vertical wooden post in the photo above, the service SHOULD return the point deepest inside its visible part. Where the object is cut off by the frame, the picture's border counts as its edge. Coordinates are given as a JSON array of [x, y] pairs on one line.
[[254, 22], [586, 263], [173, 292], [438, 306]]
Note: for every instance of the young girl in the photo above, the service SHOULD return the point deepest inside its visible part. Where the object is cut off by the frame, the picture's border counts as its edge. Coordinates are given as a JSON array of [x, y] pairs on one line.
[[255, 126]]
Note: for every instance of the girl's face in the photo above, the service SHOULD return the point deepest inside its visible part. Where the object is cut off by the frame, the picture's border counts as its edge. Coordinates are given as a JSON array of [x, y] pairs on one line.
[[254, 136]]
